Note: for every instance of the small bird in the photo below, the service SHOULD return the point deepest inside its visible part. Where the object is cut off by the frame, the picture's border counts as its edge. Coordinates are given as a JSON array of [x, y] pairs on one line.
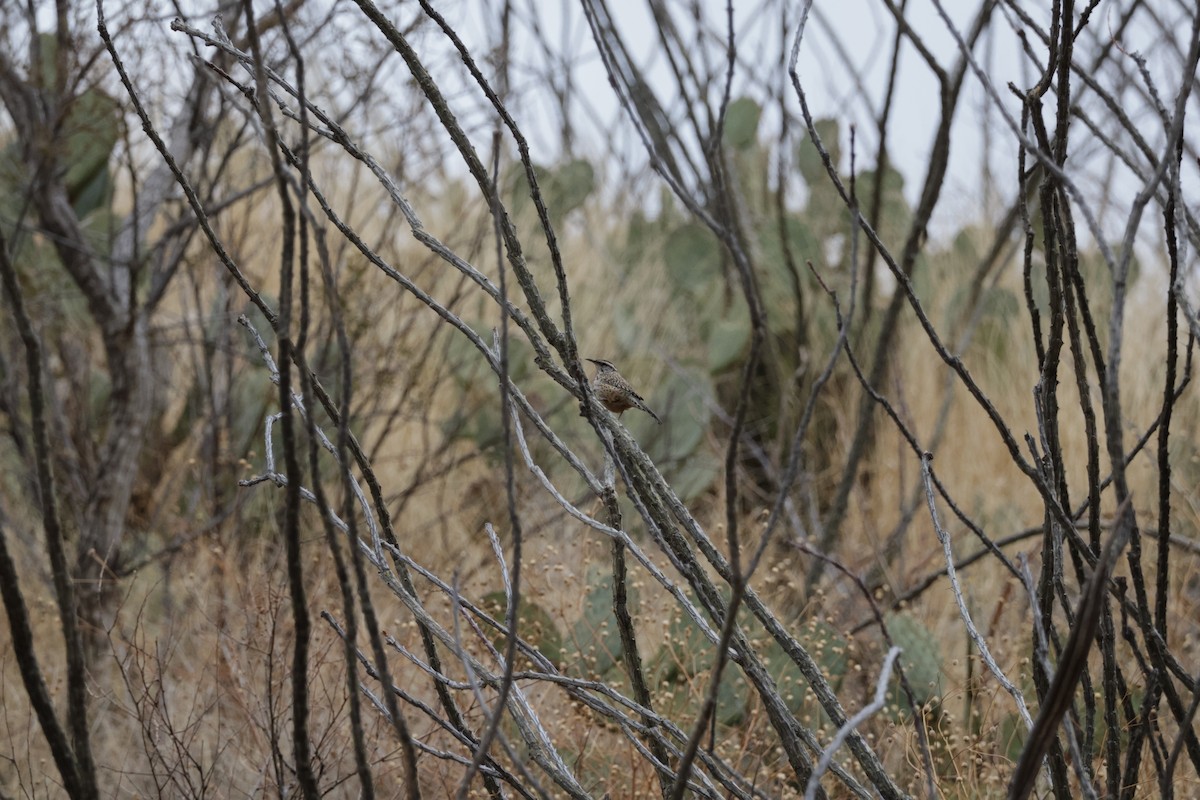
[[614, 392]]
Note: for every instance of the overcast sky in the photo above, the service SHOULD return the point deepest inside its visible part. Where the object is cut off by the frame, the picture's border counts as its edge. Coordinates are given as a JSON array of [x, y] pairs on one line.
[[839, 31]]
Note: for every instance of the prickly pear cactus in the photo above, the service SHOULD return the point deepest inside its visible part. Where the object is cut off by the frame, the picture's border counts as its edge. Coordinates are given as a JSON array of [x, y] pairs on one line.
[[534, 625], [594, 645], [922, 656]]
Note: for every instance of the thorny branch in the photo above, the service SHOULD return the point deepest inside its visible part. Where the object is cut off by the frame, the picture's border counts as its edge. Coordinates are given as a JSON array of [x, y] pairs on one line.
[[699, 555]]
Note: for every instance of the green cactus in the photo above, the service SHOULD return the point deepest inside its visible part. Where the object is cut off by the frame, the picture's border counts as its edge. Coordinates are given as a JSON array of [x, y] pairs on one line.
[[90, 133], [693, 257], [828, 648], [921, 659], [1012, 733], [996, 307], [808, 160], [728, 340], [594, 646], [741, 123], [681, 670], [534, 625], [695, 476], [687, 414], [564, 188], [570, 185], [90, 129]]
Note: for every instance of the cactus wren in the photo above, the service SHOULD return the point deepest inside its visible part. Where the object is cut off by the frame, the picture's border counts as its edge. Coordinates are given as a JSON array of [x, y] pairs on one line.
[[614, 392]]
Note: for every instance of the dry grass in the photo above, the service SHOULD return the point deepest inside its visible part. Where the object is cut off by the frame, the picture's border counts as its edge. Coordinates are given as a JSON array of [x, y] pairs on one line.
[[192, 693]]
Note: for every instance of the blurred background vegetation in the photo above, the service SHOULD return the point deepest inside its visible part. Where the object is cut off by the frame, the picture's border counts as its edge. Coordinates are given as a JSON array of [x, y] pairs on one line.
[[156, 400]]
